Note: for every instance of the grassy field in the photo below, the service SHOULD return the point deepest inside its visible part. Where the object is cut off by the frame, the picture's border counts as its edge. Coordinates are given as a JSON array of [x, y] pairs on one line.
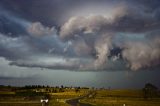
[[20, 104], [69, 94], [7, 93], [120, 97], [58, 99], [100, 97], [24, 97]]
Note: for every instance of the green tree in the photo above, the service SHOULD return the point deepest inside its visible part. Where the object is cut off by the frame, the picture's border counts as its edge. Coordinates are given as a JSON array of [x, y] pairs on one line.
[[77, 89], [150, 91]]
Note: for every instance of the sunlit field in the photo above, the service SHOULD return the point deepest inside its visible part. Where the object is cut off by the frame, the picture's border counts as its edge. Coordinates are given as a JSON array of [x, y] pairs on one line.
[[121, 98], [58, 96], [17, 96], [59, 99]]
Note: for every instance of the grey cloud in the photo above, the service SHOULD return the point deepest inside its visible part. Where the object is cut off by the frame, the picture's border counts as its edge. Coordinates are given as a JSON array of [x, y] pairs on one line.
[[30, 52], [80, 47], [51, 62], [11, 25], [13, 48], [14, 72]]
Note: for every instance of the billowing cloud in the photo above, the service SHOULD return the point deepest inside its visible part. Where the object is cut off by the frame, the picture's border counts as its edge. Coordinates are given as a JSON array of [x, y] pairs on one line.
[[83, 25], [81, 48], [123, 19], [93, 36], [143, 54], [94, 31], [38, 29], [102, 47]]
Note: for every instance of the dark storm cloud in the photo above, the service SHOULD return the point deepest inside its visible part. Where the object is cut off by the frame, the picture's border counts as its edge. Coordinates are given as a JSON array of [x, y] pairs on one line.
[[12, 48], [35, 40], [49, 12], [66, 66], [32, 10], [142, 14], [32, 31], [10, 25]]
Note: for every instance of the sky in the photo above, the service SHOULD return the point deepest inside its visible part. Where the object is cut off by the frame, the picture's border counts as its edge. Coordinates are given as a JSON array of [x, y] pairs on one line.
[[95, 43]]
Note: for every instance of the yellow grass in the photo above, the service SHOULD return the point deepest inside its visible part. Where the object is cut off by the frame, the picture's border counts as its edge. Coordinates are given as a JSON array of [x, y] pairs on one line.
[[120, 97], [66, 93], [7, 93]]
